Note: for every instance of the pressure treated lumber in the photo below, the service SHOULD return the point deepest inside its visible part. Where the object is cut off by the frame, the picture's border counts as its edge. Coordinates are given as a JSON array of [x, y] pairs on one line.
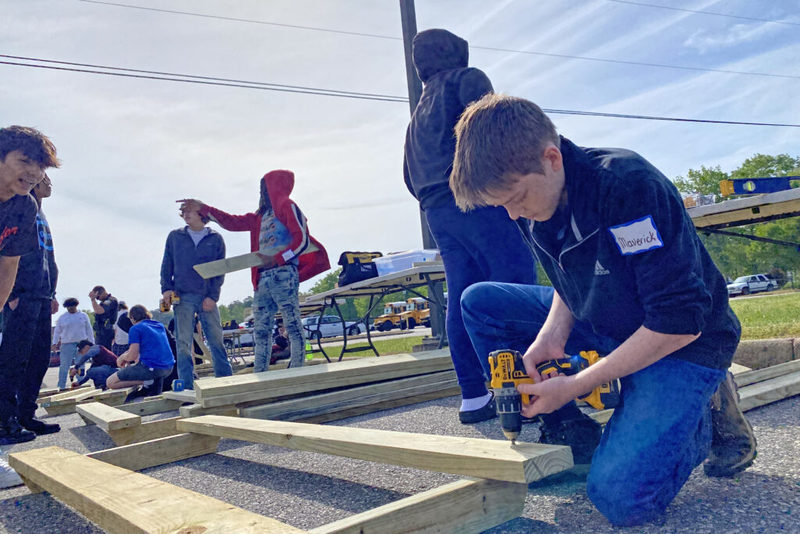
[[310, 408], [228, 265], [769, 391], [145, 431], [186, 395], [151, 405], [194, 410], [159, 451], [230, 390], [483, 458], [122, 501], [759, 375], [107, 417], [111, 397], [72, 395], [464, 506]]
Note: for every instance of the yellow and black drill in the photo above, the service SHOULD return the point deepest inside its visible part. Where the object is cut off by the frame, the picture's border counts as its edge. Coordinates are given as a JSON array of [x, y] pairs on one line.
[[508, 372]]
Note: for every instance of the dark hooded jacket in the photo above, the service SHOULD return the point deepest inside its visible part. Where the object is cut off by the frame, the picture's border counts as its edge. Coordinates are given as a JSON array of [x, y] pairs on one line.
[[440, 58], [37, 274], [310, 255]]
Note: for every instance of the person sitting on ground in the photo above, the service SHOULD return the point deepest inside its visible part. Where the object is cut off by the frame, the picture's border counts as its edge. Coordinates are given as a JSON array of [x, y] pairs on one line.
[[71, 328], [104, 364], [149, 358]]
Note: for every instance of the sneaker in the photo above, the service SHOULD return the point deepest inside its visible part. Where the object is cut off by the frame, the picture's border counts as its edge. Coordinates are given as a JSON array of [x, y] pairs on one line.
[[39, 427], [136, 393], [733, 445], [582, 435], [8, 477], [481, 414], [11, 432]]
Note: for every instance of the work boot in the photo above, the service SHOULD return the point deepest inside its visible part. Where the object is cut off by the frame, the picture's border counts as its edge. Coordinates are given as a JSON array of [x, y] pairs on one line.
[[39, 427], [733, 445], [582, 435], [11, 432]]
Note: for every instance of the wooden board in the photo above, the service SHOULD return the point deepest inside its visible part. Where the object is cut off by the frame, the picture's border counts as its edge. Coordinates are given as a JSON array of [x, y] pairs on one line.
[[769, 391], [310, 408], [464, 506], [194, 410], [111, 397], [72, 395], [237, 389], [759, 375], [158, 451], [228, 265], [145, 431], [187, 395], [151, 405], [107, 417], [493, 459], [121, 501]]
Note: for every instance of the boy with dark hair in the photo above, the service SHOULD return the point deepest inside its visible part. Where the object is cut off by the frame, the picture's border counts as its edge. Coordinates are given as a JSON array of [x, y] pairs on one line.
[[25, 154], [475, 246], [149, 357], [632, 281], [194, 243], [104, 364], [105, 308]]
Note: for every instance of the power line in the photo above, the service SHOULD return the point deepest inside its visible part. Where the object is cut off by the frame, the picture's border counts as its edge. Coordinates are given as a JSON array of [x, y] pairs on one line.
[[700, 12], [244, 84], [476, 47]]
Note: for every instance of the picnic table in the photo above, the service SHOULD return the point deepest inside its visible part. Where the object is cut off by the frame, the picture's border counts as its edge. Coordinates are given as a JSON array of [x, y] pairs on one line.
[[421, 274]]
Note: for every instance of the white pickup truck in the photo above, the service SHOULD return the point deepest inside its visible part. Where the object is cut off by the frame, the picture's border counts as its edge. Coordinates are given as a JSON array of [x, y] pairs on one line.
[[330, 326]]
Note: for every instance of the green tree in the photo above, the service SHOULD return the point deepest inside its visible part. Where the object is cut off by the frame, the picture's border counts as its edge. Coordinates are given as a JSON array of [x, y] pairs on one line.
[[762, 166]]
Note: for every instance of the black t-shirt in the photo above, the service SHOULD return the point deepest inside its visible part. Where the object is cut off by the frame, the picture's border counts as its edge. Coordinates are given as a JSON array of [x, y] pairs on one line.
[[106, 320], [18, 226]]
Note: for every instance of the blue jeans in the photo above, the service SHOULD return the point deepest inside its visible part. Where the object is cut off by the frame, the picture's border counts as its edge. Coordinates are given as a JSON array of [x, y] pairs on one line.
[[277, 289], [658, 434], [67, 355], [185, 310], [98, 374], [483, 244]]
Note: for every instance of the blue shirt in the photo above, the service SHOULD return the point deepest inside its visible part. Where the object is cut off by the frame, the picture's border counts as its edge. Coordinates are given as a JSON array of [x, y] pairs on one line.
[[154, 351]]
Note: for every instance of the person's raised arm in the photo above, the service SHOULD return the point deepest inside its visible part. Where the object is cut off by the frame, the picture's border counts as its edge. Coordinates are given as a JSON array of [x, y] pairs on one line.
[[233, 223], [8, 273]]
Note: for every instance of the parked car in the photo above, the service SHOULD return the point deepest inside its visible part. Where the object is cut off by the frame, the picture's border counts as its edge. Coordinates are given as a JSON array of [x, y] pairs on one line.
[[751, 283], [330, 326], [238, 337]]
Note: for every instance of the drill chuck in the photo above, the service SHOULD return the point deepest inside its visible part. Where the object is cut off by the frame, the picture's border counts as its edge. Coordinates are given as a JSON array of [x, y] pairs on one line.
[[509, 404]]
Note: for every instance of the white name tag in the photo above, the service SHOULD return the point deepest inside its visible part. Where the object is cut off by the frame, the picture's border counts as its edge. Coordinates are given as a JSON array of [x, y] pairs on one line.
[[636, 236]]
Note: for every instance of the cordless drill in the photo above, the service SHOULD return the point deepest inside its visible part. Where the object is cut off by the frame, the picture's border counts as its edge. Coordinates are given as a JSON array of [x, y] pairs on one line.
[[508, 372]]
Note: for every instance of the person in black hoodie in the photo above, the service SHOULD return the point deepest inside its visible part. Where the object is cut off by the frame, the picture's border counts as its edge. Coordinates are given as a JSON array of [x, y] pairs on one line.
[[475, 246], [633, 281], [27, 337]]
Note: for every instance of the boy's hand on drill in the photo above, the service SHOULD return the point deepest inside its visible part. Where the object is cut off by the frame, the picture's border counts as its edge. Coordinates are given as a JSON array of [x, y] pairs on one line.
[[548, 395], [540, 351]]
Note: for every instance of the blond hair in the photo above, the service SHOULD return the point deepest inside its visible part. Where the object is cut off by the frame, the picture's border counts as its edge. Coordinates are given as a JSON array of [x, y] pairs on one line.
[[497, 136]]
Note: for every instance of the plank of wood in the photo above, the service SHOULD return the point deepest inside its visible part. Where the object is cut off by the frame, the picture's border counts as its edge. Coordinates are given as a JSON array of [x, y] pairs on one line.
[[203, 348], [602, 416], [759, 375], [159, 451], [769, 391], [483, 458], [151, 405], [145, 431], [187, 395], [228, 265], [306, 408], [107, 417], [464, 506], [193, 410], [73, 395], [111, 397], [237, 389], [736, 369], [122, 501]]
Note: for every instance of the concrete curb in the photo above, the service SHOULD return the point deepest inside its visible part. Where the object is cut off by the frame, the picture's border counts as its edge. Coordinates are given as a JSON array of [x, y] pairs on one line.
[[760, 353]]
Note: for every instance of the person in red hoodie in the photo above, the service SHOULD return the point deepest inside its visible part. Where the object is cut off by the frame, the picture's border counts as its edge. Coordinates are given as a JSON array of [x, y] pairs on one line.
[[279, 234]]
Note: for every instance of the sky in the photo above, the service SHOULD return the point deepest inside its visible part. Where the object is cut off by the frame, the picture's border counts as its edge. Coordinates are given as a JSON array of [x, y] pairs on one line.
[[130, 147]]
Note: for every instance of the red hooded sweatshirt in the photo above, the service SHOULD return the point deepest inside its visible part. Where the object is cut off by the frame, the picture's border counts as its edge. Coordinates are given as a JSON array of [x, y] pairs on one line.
[[311, 256]]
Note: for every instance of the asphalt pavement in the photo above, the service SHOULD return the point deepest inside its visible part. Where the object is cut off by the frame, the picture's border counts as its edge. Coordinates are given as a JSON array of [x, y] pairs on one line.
[[307, 490]]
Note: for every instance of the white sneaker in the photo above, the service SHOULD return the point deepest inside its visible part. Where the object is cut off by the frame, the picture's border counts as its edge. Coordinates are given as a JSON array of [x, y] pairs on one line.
[[8, 477]]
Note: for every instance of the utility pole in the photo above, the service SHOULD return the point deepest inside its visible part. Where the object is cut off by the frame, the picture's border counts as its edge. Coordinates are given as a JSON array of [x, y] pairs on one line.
[[408, 17]]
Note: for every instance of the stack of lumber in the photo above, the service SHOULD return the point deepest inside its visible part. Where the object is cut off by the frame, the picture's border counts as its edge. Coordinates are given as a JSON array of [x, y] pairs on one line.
[[329, 391], [67, 402]]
